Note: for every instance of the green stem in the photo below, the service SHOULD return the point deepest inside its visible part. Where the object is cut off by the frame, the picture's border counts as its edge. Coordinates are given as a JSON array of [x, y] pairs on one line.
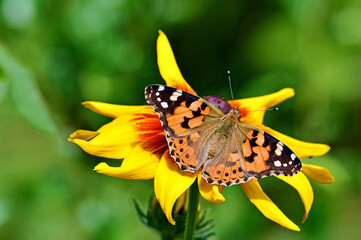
[[166, 236], [192, 213]]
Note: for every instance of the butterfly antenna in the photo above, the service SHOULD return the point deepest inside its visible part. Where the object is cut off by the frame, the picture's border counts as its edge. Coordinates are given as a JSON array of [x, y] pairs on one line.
[[269, 109], [230, 86]]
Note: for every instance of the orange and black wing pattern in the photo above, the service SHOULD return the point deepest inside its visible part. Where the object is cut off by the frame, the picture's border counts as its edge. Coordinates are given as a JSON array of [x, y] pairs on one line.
[[180, 113], [188, 121], [226, 170], [189, 152], [264, 155]]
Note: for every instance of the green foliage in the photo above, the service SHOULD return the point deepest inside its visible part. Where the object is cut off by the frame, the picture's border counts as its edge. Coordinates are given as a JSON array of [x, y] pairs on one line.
[[24, 93], [155, 218]]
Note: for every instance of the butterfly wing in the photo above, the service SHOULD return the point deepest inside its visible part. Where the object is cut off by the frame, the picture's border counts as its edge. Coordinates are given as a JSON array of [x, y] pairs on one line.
[[225, 168], [250, 153], [264, 155], [180, 113], [191, 152], [189, 122]]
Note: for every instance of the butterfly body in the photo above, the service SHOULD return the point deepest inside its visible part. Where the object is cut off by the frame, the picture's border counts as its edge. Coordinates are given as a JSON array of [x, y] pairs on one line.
[[207, 133]]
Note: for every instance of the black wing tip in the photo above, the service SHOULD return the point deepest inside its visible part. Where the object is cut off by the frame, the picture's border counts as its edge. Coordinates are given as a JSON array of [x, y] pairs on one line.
[[154, 86], [149, 88]]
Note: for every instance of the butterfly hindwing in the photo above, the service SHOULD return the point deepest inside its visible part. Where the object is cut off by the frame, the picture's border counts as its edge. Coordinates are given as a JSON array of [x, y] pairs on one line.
[[264, 155], [225, 168], [192, 151], [185, 151], [180, 113]]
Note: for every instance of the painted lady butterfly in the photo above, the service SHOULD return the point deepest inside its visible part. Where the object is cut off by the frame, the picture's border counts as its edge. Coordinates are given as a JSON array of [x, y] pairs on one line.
[[208, 132]]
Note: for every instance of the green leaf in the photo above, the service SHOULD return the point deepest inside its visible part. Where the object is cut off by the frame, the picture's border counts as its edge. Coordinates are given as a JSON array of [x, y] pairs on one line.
[[24, 93], [140, 213], [204, 236], [207, 224]]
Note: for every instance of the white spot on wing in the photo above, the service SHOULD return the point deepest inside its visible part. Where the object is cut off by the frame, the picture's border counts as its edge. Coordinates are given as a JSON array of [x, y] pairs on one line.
[[157, 93], [293, 156], [164, 104], [277, 163], [177, 93], [159, 100], [278, 152], [290, 162], [285, 164], [161, 88], [173, 98], [280, 145]]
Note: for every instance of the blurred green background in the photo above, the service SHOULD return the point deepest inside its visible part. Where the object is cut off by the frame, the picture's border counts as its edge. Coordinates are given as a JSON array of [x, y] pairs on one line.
[[56, 54]]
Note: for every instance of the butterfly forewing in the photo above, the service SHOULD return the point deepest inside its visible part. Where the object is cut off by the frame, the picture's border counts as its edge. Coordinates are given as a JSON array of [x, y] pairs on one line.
[[188, 120], [180, 113]]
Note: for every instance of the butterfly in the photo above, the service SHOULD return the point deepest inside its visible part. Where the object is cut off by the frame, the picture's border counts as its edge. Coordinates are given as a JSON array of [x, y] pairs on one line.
[[209, 133]]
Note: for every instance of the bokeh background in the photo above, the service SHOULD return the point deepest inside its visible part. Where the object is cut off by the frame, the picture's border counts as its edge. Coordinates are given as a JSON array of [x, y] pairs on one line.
[[56, 54]]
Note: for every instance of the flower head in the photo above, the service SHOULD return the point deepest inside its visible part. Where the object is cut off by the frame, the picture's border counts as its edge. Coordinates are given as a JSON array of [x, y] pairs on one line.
[[136, 135]]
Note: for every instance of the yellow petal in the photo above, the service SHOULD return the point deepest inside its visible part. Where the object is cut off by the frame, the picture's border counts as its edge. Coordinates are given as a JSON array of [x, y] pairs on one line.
[[261, 103], [143, 166], [182, 202], [317, 173], [210, 192], [300, 148], [140, 164], [117, 138], [168, 66], [169, 183], [114, 140], [106, 151], [113, 110], [83, 134], [265, 205], [304, 189]]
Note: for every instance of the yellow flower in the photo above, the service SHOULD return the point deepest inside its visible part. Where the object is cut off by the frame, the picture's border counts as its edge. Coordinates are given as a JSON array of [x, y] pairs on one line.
[[136, 136]]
